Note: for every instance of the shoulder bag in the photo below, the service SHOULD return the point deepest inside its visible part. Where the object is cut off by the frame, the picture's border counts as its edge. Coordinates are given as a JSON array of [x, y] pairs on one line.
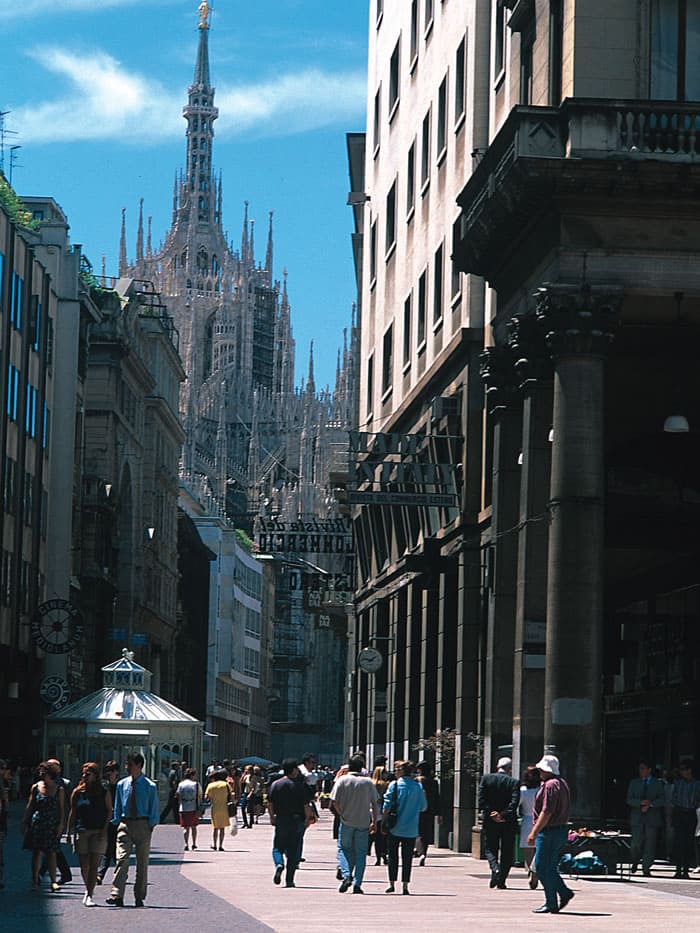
[[390, 816]]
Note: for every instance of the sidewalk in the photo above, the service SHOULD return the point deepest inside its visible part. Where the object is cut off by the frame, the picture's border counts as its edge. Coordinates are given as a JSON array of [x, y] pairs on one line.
[[233, 891]]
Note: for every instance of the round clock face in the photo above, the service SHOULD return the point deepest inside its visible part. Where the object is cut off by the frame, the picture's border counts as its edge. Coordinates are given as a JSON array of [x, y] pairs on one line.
[[370, 660], [57, 626]]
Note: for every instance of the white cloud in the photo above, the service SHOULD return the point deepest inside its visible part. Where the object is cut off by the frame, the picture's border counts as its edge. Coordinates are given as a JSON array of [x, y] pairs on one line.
[[104, 101]]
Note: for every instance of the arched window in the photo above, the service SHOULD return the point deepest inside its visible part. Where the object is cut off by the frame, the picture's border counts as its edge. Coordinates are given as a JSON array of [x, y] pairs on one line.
[[204, 144]]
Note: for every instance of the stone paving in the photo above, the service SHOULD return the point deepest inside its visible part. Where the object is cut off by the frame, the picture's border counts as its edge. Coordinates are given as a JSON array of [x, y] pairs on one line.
[[233, 891]]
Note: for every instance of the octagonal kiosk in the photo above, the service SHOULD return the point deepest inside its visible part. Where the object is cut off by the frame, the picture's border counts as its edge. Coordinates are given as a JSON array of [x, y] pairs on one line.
[[121, 718]]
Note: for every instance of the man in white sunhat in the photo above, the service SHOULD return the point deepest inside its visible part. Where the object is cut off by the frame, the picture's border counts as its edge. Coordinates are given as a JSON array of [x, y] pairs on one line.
[[549, 831], [499, 796]]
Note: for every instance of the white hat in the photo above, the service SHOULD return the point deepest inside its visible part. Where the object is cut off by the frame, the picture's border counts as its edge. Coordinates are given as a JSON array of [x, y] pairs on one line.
[[504, 763], [548, 763]]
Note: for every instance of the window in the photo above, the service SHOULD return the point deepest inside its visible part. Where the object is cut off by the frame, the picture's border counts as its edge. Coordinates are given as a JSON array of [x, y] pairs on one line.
[[460, 79], [12, 392], [27, 499], [407, 330], [527, 41], [8, 496], [425, 153], [394, 78], [377, 119], [411, 179], [251, 666], [437, 284], [442, 119], [373, 252], [46, 428], [387, 360], [16, 301], [7, 581], [499, 56], [456, 274], [391, 219], [675, 49], [30, 412], [556, 51], [35, 322], [414, 32], [370, 384], [420, 317], [429, 4]]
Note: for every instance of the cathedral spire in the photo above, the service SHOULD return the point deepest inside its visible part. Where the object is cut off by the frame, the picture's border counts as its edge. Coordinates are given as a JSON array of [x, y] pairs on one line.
[[244, 237], [122, 245], [139, 234], [201, 68], [251, 246], [310, 384], [268, 255], [149, 250], [200, 114]]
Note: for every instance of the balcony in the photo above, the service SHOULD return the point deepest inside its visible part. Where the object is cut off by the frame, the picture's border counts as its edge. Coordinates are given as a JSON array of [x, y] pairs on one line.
[[583, 149]]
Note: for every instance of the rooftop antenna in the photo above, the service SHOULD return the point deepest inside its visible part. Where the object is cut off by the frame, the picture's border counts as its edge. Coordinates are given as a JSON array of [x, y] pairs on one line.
[[3, 133], [13, 159]]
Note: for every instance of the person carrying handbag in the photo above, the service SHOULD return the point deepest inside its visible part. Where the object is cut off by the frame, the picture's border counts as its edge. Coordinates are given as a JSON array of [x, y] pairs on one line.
[[404, 801]]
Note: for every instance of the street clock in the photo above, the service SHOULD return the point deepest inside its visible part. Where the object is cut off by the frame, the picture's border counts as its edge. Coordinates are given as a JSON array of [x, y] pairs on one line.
[[369, 660]]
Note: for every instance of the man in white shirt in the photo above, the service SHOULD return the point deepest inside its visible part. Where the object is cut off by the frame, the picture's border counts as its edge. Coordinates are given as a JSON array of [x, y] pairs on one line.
[[355, 799]]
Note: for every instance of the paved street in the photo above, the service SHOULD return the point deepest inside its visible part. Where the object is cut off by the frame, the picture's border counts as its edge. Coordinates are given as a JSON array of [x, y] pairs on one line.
[[233, 891]]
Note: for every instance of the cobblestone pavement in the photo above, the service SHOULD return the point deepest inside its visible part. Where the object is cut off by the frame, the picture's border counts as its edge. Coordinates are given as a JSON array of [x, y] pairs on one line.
[[233, 891]]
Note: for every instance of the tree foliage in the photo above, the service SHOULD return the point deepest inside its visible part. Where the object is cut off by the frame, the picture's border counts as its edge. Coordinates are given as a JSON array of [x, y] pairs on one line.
[[14, 207]]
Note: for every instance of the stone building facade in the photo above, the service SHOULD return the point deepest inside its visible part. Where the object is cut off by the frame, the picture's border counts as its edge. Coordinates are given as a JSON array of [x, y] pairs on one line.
[[550, 368]]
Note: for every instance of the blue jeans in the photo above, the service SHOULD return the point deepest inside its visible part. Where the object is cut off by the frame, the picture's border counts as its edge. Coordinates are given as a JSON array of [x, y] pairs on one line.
[[548, 843], [288, 835], [352, 852]]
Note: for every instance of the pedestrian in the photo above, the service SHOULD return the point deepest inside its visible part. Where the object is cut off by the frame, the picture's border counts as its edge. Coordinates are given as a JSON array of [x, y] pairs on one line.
[[549, 832], [136, 813], [499, 795], [290, 814], [173, 781], [355, 798], [91, 809], [4, 807], [646, 798], [685, 802], [343, 769], [404, 801], [65, 875], [528, 791], [190, 796], [218, 794], [43, 821], [243, 799], [426, 823], [308, 773], [380, 779], [111, 771]]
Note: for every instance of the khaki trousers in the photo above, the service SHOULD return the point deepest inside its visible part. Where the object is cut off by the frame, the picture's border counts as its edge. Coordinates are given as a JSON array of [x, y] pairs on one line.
[[134, 834]]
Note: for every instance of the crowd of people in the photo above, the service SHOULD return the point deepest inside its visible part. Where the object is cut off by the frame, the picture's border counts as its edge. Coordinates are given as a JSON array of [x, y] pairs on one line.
[[541, 801], [106, 817]]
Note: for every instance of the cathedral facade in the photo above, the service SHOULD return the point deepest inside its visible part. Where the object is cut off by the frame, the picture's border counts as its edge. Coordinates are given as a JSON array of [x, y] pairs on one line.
[[257, 448]]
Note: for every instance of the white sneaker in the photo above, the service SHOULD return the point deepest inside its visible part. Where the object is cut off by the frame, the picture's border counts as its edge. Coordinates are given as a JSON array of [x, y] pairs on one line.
[[85, 897], [88, 901]]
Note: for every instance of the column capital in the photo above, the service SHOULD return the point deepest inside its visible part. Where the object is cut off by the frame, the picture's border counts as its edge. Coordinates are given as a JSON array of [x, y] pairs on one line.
[[497, 369], [526, 340], [578, 319]]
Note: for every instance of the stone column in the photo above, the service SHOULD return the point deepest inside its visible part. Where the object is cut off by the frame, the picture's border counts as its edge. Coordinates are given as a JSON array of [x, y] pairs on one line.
[[534, 371], [497, 366], [578, 325]]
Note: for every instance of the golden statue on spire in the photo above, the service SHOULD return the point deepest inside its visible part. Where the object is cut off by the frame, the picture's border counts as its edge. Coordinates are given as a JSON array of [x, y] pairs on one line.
[[204, 11]]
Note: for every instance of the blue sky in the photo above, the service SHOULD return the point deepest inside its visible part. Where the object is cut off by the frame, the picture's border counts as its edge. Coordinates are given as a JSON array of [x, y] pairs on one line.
[[96, 90]]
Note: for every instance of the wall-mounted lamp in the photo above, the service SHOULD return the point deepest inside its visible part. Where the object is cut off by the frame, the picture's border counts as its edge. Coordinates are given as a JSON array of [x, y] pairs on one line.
[[108, 489], [520, 458], [550, 436], [150, 531]]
